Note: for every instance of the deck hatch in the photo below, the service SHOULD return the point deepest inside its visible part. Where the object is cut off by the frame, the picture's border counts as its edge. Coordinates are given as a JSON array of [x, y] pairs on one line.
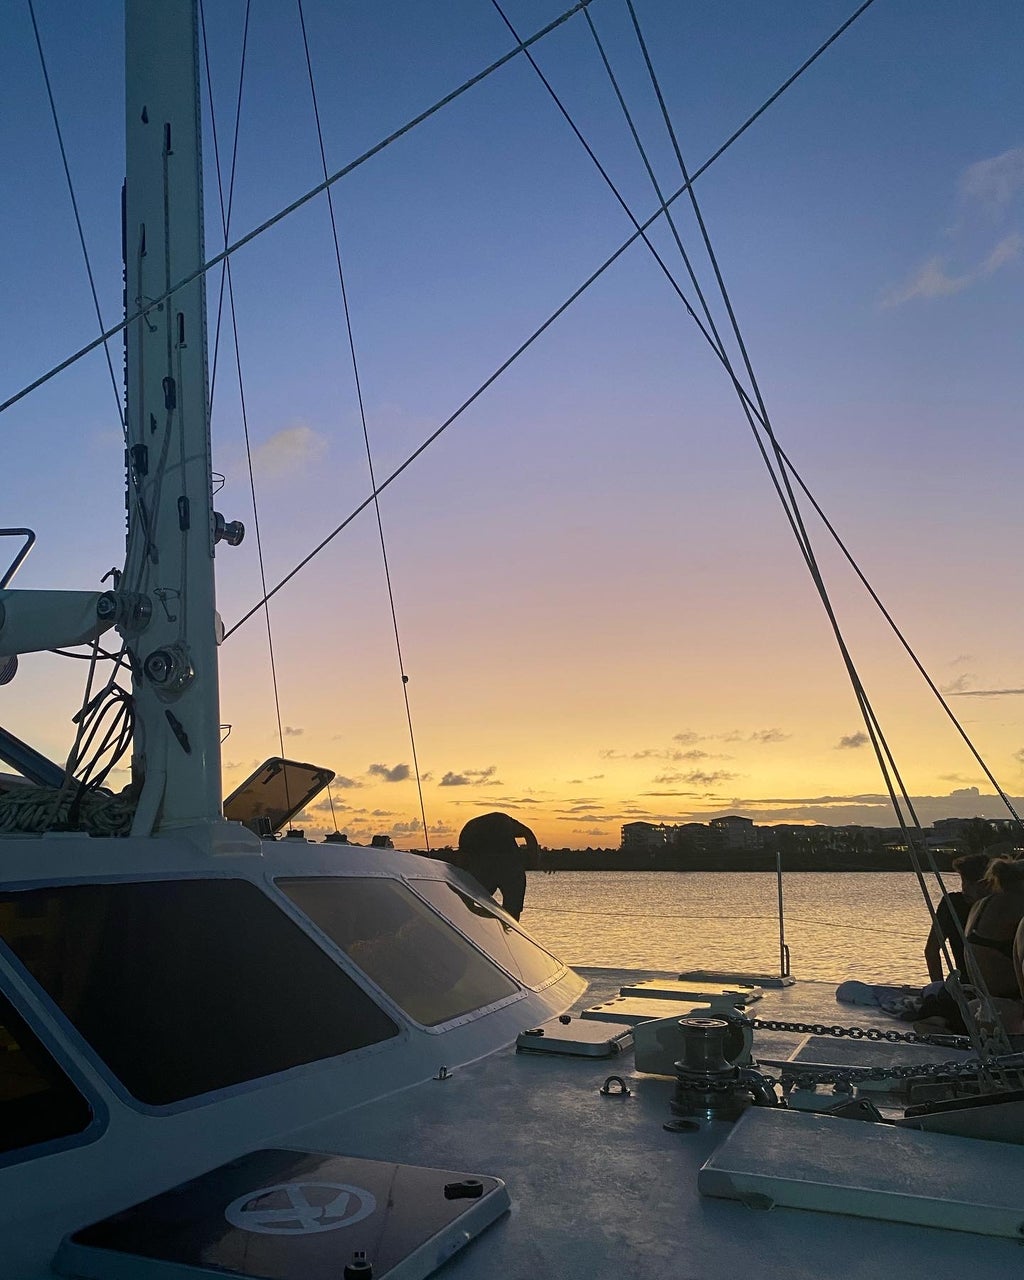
[[291, 1215]]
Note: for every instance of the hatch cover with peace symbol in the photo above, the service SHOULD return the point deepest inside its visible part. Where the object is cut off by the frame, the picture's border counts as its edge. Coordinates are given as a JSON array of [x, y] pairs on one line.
[[291, 1215]]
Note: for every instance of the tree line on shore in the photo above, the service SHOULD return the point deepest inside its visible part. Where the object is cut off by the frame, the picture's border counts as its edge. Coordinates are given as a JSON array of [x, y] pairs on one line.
[[796, 848]]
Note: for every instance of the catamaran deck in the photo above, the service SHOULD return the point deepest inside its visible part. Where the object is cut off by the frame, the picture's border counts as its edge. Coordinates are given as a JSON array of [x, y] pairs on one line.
[[633, 1193]]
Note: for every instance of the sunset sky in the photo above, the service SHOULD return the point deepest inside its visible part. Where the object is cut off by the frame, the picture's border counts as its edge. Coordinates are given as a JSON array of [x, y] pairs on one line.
[[603, 614]]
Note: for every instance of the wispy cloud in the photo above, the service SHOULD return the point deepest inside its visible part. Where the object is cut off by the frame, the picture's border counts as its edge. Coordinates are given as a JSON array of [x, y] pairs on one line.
[[992, 184], [768, 736], [696, 778], [398, 773], [1006, 251], [930, 280], [850, 741], [497, 802], [471, 778], [867, 809], [959, 684], [986, 693], [323, 806], [289, 451], [988, 195], [341, 781], [289, 732]]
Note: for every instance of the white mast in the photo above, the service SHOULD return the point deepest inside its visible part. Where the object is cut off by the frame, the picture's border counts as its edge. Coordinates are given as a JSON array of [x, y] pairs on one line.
[[171, 524]]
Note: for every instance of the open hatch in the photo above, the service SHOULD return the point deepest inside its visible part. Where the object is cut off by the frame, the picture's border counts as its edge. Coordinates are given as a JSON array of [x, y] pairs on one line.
[[279, 789]]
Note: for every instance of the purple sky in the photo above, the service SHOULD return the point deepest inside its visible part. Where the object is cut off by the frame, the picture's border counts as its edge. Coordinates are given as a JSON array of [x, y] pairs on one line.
[[602, 611]]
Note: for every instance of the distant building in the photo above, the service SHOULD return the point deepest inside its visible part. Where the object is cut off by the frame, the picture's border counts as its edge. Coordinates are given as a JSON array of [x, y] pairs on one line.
[[643, 837], [691, 837], [734, 832]]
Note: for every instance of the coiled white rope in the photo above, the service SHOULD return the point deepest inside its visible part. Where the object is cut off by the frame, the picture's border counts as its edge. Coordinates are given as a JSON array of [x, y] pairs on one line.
[[33, 810]]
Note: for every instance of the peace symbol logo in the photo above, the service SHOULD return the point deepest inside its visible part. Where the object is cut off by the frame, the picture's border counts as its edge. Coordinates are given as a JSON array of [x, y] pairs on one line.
[[300, 1208]]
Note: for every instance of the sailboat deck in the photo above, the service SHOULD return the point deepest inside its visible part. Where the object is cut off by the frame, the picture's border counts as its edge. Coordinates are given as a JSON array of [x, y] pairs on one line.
[[597, 1182]]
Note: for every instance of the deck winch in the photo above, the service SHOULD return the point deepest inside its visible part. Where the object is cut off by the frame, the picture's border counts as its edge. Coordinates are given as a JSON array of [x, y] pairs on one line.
[[708, 1085]]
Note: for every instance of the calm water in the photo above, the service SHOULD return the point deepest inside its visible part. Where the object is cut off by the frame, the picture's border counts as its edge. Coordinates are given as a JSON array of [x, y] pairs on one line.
[[839, 925]]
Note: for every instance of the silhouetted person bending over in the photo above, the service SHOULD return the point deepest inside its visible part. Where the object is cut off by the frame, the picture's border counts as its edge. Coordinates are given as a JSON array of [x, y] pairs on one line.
[[489, 851]]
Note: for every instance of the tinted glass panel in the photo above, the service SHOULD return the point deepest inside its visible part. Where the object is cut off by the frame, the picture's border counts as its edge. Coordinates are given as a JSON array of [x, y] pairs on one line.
[[184, 986], [418, 959], [276, 792], [519, 954], [37, 1101]]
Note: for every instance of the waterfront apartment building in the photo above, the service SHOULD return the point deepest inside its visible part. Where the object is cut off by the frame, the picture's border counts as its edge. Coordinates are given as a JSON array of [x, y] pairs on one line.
[[735, 835], [731, 832]]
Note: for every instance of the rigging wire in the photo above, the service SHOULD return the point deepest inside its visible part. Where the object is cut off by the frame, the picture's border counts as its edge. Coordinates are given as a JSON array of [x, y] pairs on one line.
[[687, 186], [887, 764], [717, 345], [751, 412], [113, 702], [330, 801], [304, 199], [554, 315], [905, 643], [715, 342], [687, 915], [366, 431], [879, 743], [78, 218], [226, 275], [225, 216], [780, 474]]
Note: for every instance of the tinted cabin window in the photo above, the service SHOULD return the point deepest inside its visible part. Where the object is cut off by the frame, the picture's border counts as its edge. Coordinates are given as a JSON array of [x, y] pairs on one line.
[[418, 959], [185, 986], [37, 1101], [518, 953]]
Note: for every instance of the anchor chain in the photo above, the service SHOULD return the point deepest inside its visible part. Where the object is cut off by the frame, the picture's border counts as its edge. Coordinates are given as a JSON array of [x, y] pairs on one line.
[[848, 1076], [854, 1033], [845, 1077]]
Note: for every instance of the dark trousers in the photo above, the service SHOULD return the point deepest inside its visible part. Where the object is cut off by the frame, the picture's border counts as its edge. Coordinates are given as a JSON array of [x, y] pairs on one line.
[[500, 873]]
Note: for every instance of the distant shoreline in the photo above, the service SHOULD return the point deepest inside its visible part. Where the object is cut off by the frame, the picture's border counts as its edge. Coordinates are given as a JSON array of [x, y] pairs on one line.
[[731, 860]]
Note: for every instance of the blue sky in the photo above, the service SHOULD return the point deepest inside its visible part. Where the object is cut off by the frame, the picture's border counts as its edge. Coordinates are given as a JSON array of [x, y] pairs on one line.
[[593, 578]]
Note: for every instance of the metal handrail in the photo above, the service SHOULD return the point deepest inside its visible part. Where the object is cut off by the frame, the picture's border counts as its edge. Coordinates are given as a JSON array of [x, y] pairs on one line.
[[19, 559]]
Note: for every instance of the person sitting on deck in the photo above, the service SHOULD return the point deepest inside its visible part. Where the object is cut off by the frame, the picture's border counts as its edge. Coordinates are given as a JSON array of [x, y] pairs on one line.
[[991, 929], [950, 921], [992, 925], [489, 851]]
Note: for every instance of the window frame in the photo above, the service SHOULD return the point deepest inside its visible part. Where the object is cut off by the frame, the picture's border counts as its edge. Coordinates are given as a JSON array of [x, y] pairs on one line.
[[37, 1015], [482, 901], [97, 1064], [349, 964]]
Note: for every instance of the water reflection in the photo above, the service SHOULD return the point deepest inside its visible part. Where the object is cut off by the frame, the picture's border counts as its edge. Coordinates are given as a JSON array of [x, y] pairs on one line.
[[871, 926]]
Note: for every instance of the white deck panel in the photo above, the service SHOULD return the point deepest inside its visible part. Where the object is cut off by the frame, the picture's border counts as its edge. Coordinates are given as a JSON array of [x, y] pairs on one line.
[[807, 1161]]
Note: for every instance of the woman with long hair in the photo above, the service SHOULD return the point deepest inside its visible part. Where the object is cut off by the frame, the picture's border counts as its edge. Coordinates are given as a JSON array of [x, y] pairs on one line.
[[992, 925]]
